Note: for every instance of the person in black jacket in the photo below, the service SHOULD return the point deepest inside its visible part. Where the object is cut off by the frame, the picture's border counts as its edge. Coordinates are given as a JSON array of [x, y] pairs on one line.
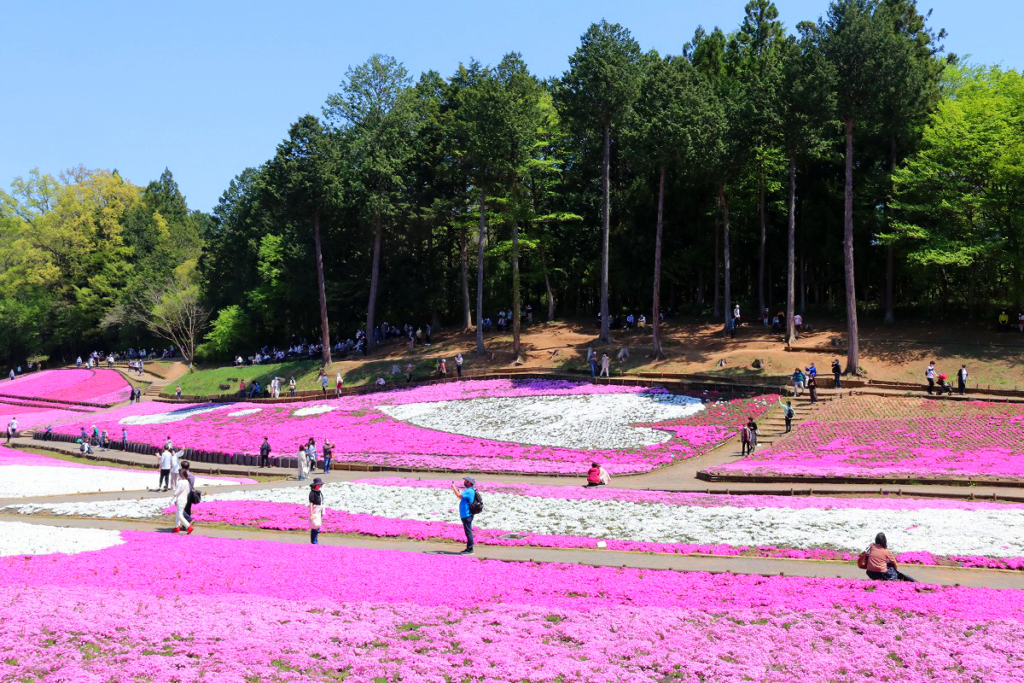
[[265, 453], [316, 510], [837, 370]]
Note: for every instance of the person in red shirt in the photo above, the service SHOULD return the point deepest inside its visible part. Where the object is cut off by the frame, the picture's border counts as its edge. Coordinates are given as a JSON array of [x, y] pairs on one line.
[[594, 475]]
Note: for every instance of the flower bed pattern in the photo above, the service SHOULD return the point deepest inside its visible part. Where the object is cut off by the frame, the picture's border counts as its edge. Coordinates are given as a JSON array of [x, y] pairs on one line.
[[245, 610], [925, 531], [979, 440], [34, 416], [99, 387], [364, 432]]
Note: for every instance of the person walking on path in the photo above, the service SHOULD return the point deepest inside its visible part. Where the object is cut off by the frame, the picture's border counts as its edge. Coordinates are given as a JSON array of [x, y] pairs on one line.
[[744, 439], [467, 497], [183, 503], [165, 470], [316, 510], [338, 382], [592, 360], [458, 365], [605, 365], [265, 453], [12, 429], [124, 439], [323, 384], [752, 426], [303, 462], [961, 379], [812, 388], [837, 370], [929, 375], [175, 466], [788, 413], [328, 454]]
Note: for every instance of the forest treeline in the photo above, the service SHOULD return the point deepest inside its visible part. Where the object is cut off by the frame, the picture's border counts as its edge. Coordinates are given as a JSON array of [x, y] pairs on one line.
[[847, 165]]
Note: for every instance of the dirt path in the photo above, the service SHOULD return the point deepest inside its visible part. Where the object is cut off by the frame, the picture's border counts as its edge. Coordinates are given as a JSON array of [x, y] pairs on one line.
[[945, 576]]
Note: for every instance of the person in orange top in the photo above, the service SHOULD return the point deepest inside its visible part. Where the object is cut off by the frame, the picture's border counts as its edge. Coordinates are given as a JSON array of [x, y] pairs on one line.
[[881, 562]]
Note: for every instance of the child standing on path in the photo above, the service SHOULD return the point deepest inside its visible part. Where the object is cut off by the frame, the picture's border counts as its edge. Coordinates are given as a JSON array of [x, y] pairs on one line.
[[316, 510]]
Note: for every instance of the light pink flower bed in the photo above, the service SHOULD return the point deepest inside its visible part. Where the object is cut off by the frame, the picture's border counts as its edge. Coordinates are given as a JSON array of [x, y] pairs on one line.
[[99, 386], [30, 417], [172, 608], [983, 441], [362, 433]]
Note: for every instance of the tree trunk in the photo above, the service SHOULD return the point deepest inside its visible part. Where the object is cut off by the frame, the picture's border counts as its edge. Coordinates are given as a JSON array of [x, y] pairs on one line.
[[725, 254], [791, 256], [515, 287], [890, 254], [325, 335], [803, 283], [717, 306], [467, 318], [547, 285], [480, 349], [853, 337], [655, 318], [760, 263], [606, 163]]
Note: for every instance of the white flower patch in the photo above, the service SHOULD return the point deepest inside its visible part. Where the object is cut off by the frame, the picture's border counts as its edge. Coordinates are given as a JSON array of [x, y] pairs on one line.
[[580, 421], [144, 508], [991, 532], [19, 538], [312, 410], [247, 411], [23, 481], [165, 418]]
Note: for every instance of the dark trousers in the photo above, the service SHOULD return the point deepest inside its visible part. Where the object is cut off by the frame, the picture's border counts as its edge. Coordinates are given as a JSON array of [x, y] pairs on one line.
[[467, 524], [814, 394], [961, 386], [265, 460], [327, 463], [314, 536], [458, 370], [789, 424], [165, 479], [188, 511], [931, 385], [837, 382]]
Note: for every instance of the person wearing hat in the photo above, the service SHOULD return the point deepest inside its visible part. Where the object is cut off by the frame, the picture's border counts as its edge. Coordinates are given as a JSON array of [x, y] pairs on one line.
[[466, 498], [316, 509]]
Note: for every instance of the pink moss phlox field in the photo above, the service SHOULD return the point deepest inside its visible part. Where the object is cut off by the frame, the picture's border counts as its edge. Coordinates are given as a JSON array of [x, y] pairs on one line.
[[172, 608], [986, 440], [33, 416], [99, 386], [294, 517], [362, 433]]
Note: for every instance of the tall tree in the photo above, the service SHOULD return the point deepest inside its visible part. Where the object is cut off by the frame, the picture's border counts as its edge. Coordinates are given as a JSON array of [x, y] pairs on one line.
[[305, 175], [679, 124], [855, 43], [375, 110], [759, 50], [597, 93]]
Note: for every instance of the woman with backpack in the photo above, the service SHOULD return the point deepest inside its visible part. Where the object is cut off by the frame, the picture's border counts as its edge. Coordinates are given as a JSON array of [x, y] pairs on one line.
[[470, 504]]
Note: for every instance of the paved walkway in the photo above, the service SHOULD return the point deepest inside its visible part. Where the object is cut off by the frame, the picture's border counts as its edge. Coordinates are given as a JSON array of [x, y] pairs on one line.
[[945, 576]]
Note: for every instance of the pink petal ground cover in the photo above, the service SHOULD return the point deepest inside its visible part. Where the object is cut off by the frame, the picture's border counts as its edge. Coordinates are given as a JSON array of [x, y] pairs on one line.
[[981, 441], [171, 608], [293, 517], [100, 386], [33, 416], [364, 434]]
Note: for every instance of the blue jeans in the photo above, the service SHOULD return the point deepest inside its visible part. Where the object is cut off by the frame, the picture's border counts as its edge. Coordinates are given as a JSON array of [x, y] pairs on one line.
[[327, 464], [467, 525], [888, 575], [838, 382], [593, 368]]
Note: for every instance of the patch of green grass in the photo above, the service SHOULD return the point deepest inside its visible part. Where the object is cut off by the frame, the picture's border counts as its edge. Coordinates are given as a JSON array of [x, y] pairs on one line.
[[207, 382], [422, 368]]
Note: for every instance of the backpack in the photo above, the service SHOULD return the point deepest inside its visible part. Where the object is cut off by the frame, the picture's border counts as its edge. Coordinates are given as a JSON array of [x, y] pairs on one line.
[[477, 506], [789, 413]]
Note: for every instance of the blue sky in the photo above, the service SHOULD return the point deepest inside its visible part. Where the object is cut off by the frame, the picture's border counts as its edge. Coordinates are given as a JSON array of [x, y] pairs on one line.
[[208, 88]]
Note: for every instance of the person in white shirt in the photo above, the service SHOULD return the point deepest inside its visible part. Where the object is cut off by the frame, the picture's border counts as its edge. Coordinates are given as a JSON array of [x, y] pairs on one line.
[[165, 470], [175, 468], [961, 379], [182, 492], [929, 374], [12, 429], [605, 477], [605, 363]]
